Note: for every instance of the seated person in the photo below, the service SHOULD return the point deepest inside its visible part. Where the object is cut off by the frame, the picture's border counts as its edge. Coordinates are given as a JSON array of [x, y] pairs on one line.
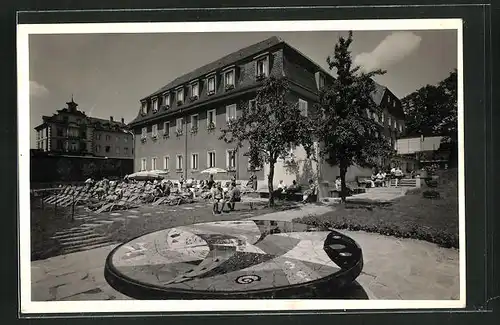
[[338, 184], [217, 196], [310, 192], [280, 189], [379, 179], [234, 195]]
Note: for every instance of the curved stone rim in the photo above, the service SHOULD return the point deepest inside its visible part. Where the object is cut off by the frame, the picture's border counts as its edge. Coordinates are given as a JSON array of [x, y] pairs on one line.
[[148, 291]]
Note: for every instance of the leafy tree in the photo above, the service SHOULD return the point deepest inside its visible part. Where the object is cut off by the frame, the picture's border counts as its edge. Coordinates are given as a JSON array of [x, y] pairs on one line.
[[270, 128], [347, 134], [432, 111]]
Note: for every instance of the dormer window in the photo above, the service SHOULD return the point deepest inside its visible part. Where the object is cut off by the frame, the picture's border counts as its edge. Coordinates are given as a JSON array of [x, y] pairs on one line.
[[195, 91], [180, 96], [166, 100], [321, 80], [155, 105], [229, 79], [262, 67], [144, 108], [211, 85]]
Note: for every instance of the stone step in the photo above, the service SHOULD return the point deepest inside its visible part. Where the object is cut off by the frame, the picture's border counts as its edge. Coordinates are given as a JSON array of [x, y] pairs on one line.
[[85, 248], [85, 242], [78, 238], [87, 232], [71, 231]]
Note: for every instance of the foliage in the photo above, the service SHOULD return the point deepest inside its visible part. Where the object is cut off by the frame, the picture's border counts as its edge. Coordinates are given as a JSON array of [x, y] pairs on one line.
[[270, 128], [345, 131], [433, 110]]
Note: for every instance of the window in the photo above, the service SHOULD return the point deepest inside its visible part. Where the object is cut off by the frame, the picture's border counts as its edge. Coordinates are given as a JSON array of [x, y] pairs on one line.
[[108, 149], [251, 105], [368, 113], [155, 105], [231, 159], [389, 121], [382, 117], [108, 138], [178, 126], [154, 132], [321, 81], [194, 161], [303, 107], [400, 127], [117, 150], [166, 129], [65, 119], [125, 139], [180, 162], [125, 150], [195, 90], [262, 67], [153, 163], [180, 96], [211, 159], [59, 132], [144, 108], [97, 148], [194, 123], [230, 112], [211, 119], [211, 85], [166, 161], [166, 99], [394, 125], [117, 138], [98, 136], [394, 103], [143, 164], [229, 79], [375, 117], [144, 133]]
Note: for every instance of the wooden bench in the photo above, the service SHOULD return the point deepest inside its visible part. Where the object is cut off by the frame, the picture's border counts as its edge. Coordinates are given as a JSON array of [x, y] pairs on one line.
[[251, 200]]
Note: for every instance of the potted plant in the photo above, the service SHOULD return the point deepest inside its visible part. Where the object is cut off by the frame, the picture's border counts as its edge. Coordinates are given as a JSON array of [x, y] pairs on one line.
[[178, 132], [211, 126], [194, 129], [229, 87], [179, 102], [210, 93], [193, 98]]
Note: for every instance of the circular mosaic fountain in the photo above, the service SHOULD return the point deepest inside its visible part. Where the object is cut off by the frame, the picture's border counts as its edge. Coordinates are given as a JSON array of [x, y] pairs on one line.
[[235, 259]]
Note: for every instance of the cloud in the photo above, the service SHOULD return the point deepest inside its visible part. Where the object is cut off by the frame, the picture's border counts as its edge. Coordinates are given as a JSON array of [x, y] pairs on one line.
[[391, 50], [37, 89]]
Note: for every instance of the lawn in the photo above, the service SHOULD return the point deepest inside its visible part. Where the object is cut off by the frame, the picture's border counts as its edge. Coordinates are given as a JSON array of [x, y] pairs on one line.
[[411, 216]]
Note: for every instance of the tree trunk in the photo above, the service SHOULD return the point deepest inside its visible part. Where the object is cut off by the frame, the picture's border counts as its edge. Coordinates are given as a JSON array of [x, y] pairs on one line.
[[270, 178], [343, 187]]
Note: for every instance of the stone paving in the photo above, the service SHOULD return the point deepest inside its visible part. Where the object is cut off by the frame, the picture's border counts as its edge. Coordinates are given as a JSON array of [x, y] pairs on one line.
[[393, 268]]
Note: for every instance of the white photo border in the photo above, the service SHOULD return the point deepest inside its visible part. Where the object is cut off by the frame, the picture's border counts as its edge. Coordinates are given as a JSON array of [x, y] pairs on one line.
[[133, 306]]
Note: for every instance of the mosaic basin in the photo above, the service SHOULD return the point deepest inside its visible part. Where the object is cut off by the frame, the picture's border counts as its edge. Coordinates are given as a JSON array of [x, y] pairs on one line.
[[235, 259]]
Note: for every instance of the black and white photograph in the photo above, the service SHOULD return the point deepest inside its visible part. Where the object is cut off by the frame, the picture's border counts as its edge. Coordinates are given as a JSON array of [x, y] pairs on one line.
[[278, 165]]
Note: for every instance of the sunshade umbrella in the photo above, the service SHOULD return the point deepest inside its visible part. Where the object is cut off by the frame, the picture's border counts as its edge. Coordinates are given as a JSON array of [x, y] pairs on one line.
[[214, 170], [145, 175]]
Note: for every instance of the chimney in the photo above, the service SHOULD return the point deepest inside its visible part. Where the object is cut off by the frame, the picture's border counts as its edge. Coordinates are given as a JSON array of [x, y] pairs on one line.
[[123, 120], [111, 118]]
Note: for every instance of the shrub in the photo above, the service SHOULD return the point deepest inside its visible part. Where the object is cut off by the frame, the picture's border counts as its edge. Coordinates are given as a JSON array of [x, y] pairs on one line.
[[431, 194]]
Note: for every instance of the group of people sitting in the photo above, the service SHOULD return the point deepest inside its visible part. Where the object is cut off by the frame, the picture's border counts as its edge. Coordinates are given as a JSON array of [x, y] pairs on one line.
[[287, 192], [222, 198], [381, 178]]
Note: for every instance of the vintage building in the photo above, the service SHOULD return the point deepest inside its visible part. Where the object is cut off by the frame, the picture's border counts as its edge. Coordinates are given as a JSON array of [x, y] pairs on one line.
[[71, 132], [177, 126]]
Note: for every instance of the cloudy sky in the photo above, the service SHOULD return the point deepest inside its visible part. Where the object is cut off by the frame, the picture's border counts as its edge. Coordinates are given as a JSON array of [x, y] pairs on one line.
[[108, 73]]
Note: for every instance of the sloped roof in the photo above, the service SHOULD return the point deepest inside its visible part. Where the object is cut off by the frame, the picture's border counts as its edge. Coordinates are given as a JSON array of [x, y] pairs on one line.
[[378, 93], [220, 63]]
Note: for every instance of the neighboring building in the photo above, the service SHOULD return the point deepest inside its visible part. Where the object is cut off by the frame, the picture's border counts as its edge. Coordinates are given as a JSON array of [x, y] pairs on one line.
[[416, 152], [72, 132], [177, 127]]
